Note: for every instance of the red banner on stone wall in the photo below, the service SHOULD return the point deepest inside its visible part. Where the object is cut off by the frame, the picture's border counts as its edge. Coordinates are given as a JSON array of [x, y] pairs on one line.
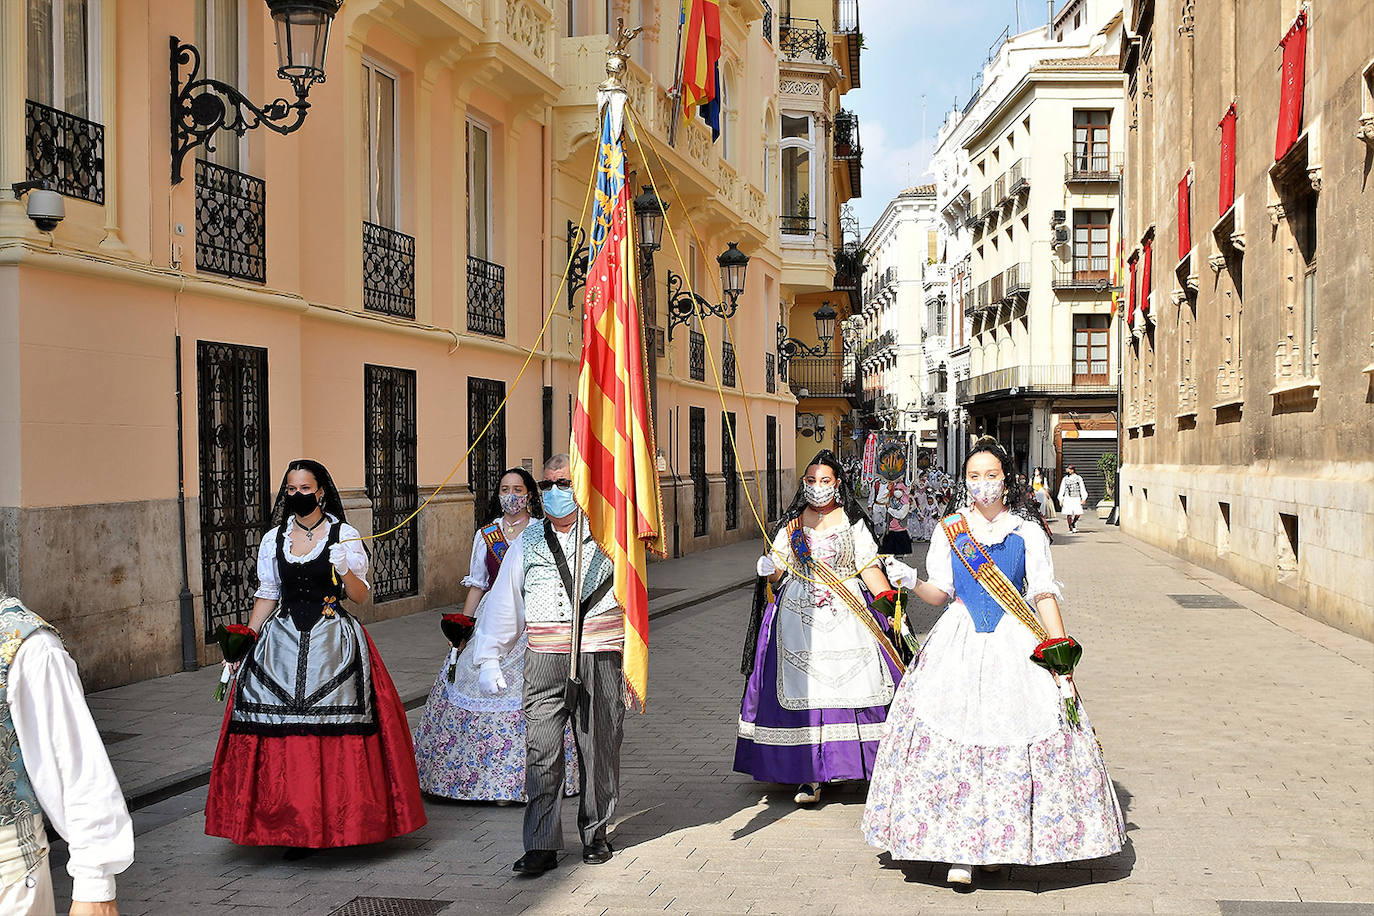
[[1294, 46], [1185, 233], [1130, 302], [1226, 196], [1147, 277]]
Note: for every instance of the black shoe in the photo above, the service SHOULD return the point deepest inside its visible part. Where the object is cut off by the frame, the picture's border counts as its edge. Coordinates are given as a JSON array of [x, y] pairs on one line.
[[597, 853], [536, 861]]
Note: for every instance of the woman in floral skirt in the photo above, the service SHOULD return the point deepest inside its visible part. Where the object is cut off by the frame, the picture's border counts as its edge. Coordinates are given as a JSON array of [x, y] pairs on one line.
[[470, 746], [982, 763]]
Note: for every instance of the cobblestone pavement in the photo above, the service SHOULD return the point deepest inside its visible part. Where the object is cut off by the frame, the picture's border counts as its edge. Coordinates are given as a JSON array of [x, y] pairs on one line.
[[1239, 739]]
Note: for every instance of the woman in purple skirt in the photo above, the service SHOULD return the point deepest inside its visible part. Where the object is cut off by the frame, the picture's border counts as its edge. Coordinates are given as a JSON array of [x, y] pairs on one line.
[[819, 662]]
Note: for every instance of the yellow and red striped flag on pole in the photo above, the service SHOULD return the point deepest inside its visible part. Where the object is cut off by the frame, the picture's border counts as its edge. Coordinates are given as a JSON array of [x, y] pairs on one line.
[[701, 50], [614, 470]]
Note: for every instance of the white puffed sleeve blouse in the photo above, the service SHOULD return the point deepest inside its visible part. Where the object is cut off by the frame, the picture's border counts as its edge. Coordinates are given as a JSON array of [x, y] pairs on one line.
[[269, 579]]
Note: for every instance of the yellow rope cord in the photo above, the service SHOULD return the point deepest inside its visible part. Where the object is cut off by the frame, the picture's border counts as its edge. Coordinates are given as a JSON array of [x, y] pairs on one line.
[[710, 355], [548, 317]]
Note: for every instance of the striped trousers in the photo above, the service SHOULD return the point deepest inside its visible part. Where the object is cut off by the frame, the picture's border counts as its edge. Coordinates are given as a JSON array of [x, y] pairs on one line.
[[598, 726]]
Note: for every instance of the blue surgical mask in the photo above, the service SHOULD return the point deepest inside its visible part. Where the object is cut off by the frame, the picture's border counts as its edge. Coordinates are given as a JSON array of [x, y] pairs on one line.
[[559, 503]]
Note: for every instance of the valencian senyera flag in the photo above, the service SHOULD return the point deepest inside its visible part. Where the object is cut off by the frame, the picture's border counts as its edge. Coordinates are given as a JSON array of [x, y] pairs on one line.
[[614, 470], [700, 52]]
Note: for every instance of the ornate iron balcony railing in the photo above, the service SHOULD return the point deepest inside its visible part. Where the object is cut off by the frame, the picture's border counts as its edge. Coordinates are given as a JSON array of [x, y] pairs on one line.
[[1021, 381], [388, 271], [767, 22], [822, 376], [1093, 165], [797, 224], [1019, 177], [486, 297], [65, 150], [231, 222], [1018, 280], [1083, 273], [798, 38]]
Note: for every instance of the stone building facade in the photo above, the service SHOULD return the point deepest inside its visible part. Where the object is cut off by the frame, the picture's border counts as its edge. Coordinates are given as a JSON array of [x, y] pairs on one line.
[[1250, 243]]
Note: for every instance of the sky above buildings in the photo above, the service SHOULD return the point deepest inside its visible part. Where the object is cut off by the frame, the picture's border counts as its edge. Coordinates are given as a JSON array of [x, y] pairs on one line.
[[916, 48]]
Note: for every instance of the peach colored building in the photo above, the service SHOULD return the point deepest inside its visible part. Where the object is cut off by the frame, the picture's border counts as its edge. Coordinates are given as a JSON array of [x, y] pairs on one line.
[[364, 291]]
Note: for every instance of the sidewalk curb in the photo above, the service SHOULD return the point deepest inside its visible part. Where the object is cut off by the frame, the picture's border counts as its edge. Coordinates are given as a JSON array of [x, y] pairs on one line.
[[186, 780]]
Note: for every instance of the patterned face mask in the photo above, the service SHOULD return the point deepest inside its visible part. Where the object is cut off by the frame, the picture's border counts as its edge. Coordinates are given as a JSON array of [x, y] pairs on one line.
[[817, 495], [513, 503], [986, 492]]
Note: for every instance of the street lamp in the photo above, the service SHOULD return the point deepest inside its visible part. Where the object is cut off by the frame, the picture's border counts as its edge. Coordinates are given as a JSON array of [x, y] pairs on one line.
[[789, 348], [649, 214], [201, 106], [683, 303]]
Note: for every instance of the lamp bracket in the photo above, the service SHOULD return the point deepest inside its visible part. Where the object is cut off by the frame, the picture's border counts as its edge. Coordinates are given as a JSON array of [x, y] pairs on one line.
[[579, 257], [201, 107], [684, 303]]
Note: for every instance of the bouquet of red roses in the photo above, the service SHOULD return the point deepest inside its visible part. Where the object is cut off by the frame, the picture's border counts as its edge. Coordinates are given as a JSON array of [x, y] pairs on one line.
[[235, 641], [1059, 657], [458, 629]]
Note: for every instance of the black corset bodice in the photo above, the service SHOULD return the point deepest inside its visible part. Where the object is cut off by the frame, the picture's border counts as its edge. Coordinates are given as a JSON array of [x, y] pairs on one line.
[[307, 587]]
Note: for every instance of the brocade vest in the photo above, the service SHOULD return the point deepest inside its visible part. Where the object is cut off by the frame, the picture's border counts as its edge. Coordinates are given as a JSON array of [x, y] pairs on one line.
[[546, 599], [19, 809], [1010, 557]]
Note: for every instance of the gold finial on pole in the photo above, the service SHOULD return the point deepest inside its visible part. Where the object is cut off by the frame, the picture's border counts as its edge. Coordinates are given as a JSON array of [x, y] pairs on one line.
[[617, 55]]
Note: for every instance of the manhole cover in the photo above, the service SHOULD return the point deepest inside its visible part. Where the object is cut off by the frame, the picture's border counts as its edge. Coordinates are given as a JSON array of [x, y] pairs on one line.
[[1291, 908], [660, 592], [1204, 601], [390, 906]]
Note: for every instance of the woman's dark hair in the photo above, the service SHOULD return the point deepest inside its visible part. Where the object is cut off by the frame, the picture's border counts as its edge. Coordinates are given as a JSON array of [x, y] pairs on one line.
[[536, 506], [330, 500], [1019, 497], [844, 495]]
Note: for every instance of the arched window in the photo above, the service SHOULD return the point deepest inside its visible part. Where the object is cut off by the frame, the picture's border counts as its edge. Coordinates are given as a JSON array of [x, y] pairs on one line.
[[798, 147]]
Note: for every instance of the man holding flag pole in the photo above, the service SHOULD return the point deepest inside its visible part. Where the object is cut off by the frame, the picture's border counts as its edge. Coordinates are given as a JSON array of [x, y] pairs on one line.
[[602, 508]]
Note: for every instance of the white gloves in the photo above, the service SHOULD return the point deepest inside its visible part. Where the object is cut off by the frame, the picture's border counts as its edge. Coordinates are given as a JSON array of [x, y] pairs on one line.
[[489, 678], [766, 566], [339, 557], [343, 562], [901, 575]]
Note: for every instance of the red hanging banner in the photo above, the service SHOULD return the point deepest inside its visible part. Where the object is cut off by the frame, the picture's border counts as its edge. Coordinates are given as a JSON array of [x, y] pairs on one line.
[[1226, 196], [1185, 234], [1147, 278], [1290, 98], [1130, 302]]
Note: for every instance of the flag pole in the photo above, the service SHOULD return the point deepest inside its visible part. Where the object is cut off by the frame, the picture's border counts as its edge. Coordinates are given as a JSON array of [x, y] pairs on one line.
[[676, 92]]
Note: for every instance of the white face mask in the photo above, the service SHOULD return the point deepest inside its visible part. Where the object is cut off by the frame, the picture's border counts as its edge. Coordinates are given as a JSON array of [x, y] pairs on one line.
[[819, 495], [986, 492]]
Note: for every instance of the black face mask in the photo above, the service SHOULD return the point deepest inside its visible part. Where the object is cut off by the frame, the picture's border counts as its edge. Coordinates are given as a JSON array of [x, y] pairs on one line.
[[301, 504]]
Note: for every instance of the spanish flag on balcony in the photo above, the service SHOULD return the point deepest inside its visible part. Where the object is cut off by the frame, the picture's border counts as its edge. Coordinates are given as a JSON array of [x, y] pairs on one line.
[[614, 474], [700, 52]]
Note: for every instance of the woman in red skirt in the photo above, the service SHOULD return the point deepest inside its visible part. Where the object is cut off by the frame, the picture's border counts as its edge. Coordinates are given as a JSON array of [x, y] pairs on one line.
[[315, 751]]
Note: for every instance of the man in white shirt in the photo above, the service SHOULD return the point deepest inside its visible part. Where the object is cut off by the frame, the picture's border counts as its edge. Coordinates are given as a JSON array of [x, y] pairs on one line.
[[1072, 493], [531, 593], [51, 757]]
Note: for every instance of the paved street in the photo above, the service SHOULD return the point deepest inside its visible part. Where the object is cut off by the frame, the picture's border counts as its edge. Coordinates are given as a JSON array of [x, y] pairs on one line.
[[1239, 738]]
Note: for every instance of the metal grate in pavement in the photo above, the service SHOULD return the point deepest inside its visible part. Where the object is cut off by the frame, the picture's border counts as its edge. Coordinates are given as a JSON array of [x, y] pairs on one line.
[[390, 906], [660, 592], [1289, 908], [1196, 601]]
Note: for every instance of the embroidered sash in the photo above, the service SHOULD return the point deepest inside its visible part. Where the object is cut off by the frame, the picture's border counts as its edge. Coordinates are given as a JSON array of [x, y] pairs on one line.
[[832, 581], [989, 575], [495, 541]]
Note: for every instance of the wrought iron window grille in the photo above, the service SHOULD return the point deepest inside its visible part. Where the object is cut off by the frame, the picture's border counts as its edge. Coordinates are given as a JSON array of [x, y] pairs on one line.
[[235, 505], [488, 456], [696, 448], [696, 356], [486, 297], [66, 151], [727, 364], [770, 373], [231, 222], [392, 486], [772, 459], [728, 470], [388, 271], [767, 22]]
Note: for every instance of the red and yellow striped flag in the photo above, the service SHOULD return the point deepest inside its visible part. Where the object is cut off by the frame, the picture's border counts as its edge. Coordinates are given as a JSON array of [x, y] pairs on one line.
[[700, 51], [614, 470]]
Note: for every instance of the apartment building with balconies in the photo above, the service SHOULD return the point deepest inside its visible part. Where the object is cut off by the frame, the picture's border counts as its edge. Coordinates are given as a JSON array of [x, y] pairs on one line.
[[1043, 347], [819, 163]]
